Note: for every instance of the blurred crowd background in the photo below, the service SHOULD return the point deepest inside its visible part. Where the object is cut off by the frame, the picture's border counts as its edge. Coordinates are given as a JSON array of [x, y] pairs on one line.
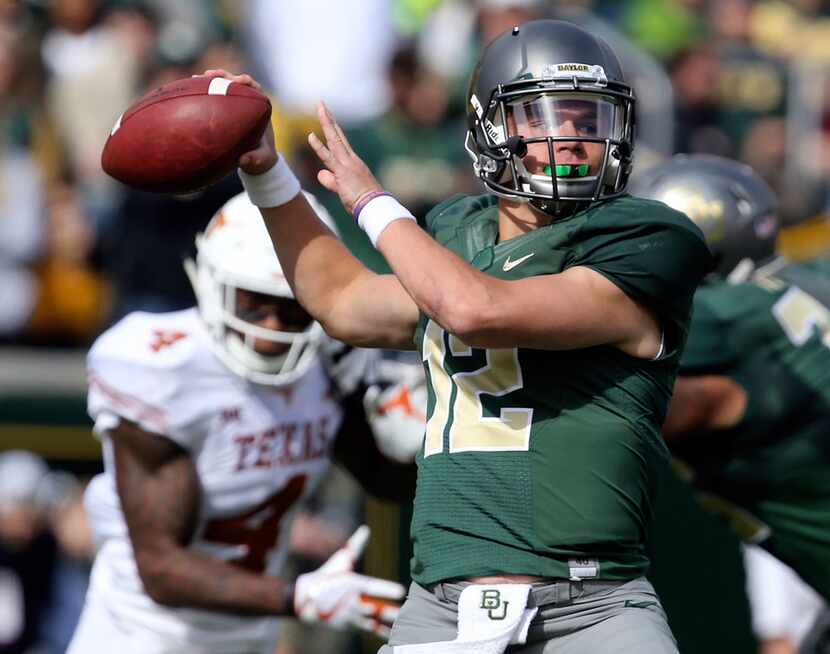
[[748, 79]]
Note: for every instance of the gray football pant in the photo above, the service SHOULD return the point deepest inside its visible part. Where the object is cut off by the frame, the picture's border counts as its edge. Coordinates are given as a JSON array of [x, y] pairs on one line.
[[588, 617]]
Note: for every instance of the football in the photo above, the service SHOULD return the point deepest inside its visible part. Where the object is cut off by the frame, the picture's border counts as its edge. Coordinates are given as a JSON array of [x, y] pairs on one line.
[[185, 135]]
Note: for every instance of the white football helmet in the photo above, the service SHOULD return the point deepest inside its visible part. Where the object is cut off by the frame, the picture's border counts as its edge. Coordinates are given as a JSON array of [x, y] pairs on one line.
[[235, 252]]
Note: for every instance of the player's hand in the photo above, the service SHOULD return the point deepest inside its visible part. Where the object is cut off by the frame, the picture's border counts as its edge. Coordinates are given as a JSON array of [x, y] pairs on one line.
[[349, 367], [265, 155], [396, 409], [337, 596], [344, 172]]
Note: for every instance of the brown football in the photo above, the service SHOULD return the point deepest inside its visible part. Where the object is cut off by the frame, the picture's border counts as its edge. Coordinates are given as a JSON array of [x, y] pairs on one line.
[[185, 135]]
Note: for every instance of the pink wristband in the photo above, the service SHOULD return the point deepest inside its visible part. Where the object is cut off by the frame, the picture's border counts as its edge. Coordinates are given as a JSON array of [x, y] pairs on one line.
[[366, 199]]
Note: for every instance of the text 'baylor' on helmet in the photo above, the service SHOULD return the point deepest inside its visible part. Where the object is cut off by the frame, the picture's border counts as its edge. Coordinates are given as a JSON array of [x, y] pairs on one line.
[[235, 254], [733, 206], [543, 95]]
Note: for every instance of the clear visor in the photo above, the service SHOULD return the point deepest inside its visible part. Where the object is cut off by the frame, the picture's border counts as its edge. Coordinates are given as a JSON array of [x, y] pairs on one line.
[[552, 114]]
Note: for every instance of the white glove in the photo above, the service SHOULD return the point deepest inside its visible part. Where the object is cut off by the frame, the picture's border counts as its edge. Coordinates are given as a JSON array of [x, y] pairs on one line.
[[397, 413], [335, 595], [348, 366]]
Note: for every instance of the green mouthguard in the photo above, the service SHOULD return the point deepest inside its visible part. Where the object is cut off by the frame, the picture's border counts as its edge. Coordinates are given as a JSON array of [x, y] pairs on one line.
[[567, 170]]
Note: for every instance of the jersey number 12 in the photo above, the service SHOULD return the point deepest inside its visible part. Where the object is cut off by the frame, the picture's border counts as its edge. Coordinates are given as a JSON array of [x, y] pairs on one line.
[[458, 399]]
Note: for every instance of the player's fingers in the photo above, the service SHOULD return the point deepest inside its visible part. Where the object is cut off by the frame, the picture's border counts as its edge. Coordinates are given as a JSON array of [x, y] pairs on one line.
[[218, 72], [341, 135], [325, 125], [320, 149], [357, 542], [379, 609], [333, 140], [390, 613], [243, 78], [370, 398], [247, 80], [373, 627], [253, 161], [327, 180], [344, 559], [374, 587]]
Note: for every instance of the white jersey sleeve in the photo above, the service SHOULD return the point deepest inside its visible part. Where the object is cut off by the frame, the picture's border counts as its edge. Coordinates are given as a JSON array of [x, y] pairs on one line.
[[148, 369]]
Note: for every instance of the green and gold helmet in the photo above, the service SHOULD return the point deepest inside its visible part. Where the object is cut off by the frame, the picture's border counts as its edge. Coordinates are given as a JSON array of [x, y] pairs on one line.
[[735, 209]]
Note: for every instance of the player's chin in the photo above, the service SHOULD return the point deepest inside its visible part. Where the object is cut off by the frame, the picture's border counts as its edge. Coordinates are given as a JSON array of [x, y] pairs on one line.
[[270, 348]]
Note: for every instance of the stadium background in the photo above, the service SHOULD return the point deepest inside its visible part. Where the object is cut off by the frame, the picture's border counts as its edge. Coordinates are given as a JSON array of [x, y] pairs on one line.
[[748, 79]]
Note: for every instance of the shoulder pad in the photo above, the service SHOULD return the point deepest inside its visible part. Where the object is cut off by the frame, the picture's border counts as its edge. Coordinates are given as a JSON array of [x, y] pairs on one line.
[[641, 212], [150, 369], [453, 211]]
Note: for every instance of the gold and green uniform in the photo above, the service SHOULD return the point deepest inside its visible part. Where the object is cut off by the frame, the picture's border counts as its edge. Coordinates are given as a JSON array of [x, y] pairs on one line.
[[770, 474], [544, 462]]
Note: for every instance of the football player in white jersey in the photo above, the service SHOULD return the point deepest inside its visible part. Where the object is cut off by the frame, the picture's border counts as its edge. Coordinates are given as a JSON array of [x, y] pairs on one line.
[[215, 422]]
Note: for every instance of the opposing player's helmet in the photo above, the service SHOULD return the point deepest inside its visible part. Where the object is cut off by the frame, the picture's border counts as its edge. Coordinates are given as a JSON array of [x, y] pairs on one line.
[[235, 252], [732, 205], [550, 82]]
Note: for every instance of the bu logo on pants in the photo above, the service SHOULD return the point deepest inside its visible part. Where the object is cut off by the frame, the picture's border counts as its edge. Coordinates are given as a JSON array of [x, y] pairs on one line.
[[491, 600]]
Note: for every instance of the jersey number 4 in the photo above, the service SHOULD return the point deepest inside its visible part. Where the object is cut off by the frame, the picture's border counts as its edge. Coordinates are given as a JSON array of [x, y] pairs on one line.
[[259, 528], [458, 399]]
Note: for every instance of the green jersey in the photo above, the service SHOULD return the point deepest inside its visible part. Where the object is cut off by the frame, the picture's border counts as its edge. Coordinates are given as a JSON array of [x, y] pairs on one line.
[[770, 474], [544, 462]]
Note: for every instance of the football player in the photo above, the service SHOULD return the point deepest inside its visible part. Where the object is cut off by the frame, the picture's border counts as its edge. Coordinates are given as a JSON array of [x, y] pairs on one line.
[[216, 422], [550, 315], [750, 414]]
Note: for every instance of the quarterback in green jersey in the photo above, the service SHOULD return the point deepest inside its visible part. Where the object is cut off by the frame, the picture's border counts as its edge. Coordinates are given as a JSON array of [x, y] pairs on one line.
[[550, 315], [750, 416]]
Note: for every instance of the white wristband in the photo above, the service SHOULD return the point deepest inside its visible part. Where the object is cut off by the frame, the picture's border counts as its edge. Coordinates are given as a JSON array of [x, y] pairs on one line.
[[277, 185], [378, 213]]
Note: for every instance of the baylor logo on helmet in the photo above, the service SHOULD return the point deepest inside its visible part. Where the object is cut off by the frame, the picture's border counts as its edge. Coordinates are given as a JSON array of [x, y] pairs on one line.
[[593, 73], [491, 602]]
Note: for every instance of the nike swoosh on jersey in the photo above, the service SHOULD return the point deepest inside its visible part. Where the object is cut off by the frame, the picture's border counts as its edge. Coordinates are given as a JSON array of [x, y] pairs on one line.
[[509, 265]]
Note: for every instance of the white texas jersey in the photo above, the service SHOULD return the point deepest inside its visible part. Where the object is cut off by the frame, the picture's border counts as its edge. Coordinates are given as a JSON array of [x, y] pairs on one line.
[[257, 450]]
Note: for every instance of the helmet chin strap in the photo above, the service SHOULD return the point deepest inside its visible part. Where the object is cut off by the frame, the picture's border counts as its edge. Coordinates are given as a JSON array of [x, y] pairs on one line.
[[559, 209]]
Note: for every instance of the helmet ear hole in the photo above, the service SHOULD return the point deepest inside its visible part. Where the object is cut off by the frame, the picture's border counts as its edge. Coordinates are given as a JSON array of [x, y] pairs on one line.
[[517, 146]]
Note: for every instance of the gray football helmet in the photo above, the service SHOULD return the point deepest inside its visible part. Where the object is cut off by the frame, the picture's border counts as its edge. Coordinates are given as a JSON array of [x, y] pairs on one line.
[[732, 205], [549, 81]]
